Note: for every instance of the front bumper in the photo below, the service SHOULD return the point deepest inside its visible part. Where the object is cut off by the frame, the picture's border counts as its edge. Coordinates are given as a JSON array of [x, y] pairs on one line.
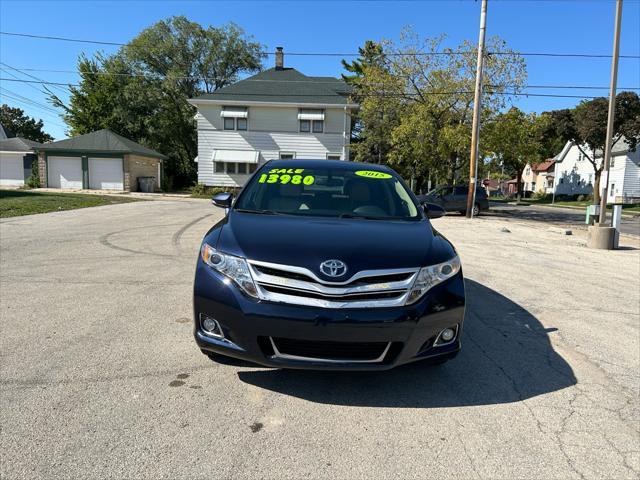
[[249, 325]]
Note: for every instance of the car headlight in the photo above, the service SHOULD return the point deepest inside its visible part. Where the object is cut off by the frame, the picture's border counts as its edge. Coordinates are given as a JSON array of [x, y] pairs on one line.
[[431, 276], [233, 267]]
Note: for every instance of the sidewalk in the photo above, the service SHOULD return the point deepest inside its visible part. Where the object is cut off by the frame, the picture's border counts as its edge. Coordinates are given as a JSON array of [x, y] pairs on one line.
[[114, 193]]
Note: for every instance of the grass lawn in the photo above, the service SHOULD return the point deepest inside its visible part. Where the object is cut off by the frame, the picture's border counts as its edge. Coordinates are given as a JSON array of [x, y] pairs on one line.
[[24, 202]]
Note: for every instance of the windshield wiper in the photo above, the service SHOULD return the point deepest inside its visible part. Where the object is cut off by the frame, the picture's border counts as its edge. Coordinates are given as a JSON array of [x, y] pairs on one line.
[[369, 217], [257, 212], [365, 217]]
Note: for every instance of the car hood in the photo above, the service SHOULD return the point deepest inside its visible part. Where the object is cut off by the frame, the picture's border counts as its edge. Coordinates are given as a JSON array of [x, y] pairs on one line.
[[308, 241]]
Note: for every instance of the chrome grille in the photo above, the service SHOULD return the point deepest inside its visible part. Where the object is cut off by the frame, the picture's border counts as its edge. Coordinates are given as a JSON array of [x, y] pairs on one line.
[[300, 286]]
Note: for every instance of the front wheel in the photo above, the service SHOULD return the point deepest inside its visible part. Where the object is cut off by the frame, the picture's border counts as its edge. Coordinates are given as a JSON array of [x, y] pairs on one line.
[[476, 210]]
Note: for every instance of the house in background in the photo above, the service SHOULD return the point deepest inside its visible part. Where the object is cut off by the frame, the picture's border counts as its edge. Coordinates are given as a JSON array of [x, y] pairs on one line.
[[101, 160], [279, 113], [538, 177], [575, 175], [16, 156]]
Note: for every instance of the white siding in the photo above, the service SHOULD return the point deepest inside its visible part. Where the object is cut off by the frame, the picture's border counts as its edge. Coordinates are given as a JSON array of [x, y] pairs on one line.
[[632, 176], [271, 130], [574, 176], [624, 176]]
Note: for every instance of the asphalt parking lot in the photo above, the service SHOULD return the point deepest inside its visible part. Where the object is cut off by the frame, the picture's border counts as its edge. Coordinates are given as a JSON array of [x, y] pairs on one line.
[[101, 377]]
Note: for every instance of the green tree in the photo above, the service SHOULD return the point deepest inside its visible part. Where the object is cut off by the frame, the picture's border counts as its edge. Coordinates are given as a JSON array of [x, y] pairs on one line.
[[553, 134], [426, 92], [512, 139], [141, 92], [372, 54], [22, 125], [370, 63]]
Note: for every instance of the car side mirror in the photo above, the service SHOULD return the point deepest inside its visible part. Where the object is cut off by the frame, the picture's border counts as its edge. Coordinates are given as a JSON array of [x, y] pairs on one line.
[[223, 200], [433, 211]]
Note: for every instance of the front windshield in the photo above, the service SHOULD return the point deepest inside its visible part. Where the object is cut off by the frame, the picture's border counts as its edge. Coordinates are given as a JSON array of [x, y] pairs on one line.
[[328, 192]]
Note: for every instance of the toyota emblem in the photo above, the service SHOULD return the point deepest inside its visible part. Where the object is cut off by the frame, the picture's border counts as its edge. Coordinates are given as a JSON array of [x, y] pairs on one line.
[[333, 268]]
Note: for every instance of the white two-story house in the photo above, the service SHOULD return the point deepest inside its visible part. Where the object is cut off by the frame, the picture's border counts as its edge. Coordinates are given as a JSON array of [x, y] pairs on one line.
[[574, 173], [277, 114]]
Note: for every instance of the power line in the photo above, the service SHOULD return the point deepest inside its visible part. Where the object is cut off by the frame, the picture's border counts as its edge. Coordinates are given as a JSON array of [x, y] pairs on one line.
[[32, 102], [29, 100], [384, 95], [44, 113], [338, 54], [326, 82], [63, 39], [30, 76], [41, 82]]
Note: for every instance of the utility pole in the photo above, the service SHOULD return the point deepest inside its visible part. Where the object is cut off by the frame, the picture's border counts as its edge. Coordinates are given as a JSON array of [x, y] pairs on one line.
[[475, 127], [611, 115]]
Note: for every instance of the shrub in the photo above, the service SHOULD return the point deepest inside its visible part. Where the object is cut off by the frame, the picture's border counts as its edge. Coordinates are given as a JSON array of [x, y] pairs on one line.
[[34, 179], [540, 195], [203, 191], [167, 183]]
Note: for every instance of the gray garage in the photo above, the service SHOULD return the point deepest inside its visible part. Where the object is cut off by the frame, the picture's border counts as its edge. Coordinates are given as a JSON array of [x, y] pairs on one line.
[[101, 160]]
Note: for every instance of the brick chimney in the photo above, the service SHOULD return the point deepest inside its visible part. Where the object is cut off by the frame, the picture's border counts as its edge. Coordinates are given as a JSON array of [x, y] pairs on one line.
[[279, 58]]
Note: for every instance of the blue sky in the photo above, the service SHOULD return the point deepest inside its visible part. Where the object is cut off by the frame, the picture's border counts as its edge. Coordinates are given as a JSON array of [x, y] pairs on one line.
[[330, 26]]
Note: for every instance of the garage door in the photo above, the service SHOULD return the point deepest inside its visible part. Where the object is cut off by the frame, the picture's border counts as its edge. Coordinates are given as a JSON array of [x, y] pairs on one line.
[[65, 172], [105, 174], [11, 169]]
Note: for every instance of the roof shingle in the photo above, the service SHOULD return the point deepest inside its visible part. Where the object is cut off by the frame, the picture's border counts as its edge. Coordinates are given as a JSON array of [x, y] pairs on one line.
[[101, 141], [18, 144], [284, 85]]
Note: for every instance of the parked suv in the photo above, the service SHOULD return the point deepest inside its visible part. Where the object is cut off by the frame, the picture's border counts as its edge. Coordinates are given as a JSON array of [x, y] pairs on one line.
[[324, 264], [454, 199]]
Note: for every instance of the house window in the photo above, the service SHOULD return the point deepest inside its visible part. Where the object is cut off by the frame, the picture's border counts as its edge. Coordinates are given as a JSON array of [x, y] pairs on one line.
[[334, 156], [318, 126], [315, 126], [231, 123], [562, 180], [241, 168], [613, 162], [287, 155]]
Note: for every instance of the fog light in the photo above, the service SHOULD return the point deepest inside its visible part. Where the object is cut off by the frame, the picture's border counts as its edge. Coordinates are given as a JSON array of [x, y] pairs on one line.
[[447, 334], [211, 326]]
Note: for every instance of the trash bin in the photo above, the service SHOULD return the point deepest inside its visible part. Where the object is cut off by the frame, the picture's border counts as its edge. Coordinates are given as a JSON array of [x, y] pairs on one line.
[[146, 184]]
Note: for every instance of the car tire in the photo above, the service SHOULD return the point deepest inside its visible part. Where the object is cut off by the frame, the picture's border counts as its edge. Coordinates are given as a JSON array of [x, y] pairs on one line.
[[476, 210]]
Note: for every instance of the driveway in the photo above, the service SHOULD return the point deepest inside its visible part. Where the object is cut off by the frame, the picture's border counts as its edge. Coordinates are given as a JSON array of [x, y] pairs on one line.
[[566, 217], [101, 377]]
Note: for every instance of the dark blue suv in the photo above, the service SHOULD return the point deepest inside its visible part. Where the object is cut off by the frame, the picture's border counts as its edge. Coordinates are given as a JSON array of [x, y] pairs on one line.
[[324, 264]]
